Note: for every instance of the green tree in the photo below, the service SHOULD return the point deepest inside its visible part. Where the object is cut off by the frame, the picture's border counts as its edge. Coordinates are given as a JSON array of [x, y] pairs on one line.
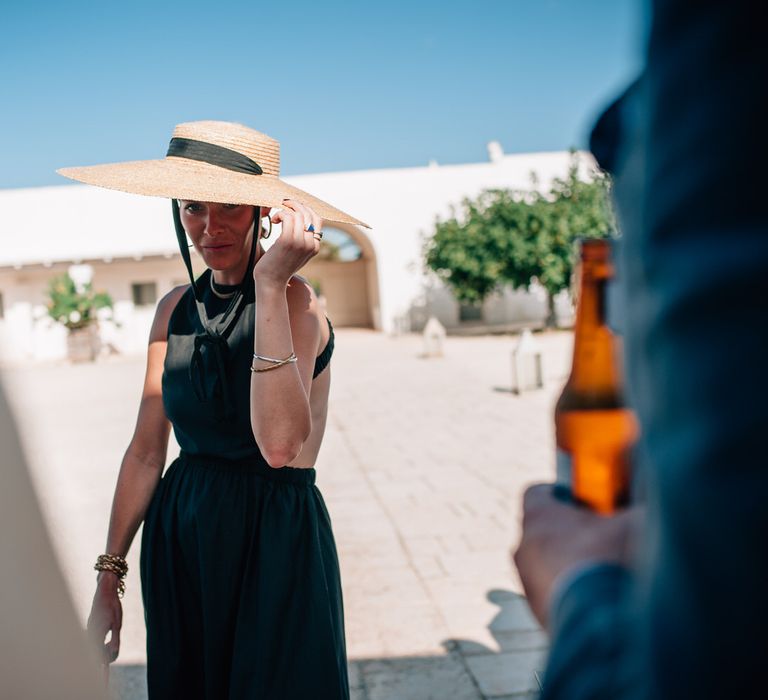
[[468, 252], [573, 208], [508, 237]]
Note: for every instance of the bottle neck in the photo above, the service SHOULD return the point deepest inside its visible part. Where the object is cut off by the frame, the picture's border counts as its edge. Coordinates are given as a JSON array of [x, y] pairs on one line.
[[595, 349]]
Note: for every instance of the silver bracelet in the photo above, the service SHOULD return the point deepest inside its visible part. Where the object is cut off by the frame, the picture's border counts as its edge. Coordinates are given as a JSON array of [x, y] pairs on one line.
[[273, 360], [275, 363]]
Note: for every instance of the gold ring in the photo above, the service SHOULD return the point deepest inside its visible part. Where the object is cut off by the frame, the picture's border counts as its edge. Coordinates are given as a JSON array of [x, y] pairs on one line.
[[318, 235]]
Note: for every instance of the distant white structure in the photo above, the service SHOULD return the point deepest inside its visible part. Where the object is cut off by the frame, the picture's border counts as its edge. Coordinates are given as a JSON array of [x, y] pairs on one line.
[[130, 246], [434, 338], [527, 369], [495, 152]]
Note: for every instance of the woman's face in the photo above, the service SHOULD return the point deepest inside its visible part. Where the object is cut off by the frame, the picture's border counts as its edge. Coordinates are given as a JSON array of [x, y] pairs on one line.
[[219, 232]]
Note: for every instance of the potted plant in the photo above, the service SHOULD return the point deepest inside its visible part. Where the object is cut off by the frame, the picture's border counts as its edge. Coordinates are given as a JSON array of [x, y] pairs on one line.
[[75, 306]]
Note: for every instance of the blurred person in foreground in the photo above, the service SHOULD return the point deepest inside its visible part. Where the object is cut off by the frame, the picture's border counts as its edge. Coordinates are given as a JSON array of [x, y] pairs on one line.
[[671, 602], [43, 650]]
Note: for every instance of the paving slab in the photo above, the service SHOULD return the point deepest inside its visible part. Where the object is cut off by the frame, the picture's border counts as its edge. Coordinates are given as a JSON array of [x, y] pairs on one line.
[[430, 678], [508, 673]]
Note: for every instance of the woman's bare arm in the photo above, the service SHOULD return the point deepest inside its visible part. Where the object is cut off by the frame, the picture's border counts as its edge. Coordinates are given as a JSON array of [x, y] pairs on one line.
[[286, 321], [144, 459], [140, 472]]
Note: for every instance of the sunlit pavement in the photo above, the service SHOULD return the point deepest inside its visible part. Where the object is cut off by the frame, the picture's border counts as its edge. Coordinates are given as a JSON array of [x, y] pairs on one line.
[[423, 468]]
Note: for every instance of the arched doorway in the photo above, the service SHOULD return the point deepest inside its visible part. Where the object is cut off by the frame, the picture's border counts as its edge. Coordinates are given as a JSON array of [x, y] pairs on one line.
[[344, 275]]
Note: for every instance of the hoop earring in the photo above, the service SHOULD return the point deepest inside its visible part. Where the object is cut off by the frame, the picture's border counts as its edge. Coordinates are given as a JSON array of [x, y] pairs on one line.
[[268, 233]]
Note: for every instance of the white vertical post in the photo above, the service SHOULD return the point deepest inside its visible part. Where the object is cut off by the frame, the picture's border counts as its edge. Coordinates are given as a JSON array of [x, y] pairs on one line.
[[434, 338], [527, 365]]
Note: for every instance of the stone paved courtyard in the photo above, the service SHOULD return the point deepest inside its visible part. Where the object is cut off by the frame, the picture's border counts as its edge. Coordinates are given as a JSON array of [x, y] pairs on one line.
[[422, 468]]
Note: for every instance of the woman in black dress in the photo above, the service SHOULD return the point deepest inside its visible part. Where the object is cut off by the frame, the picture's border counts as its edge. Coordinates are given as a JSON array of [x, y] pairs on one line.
[[239, 572]]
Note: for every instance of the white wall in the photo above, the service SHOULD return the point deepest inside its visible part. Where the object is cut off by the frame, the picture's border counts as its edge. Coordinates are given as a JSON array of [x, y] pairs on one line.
[[116, 279], [507, 307], [27, 332]]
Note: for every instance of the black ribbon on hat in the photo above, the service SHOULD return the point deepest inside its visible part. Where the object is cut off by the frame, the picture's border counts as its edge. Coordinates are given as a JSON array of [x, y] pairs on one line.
[[214, 155]]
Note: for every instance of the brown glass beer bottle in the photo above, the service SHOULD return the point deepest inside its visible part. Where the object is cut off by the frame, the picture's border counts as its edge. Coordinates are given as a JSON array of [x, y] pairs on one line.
[[594, 429]]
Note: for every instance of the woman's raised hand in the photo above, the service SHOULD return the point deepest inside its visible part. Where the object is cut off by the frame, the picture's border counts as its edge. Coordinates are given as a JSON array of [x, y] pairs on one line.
[[295, 246]]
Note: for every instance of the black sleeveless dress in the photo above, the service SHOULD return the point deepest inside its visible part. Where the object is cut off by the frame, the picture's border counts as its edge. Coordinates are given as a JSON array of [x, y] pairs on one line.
[[239, 571]]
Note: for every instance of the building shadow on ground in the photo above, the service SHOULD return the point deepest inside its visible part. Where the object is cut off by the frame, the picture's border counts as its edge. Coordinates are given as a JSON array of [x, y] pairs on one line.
[[467, 670]]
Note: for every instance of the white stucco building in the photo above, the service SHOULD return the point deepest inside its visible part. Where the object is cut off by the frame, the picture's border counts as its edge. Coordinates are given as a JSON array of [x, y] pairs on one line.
[[130, 244]]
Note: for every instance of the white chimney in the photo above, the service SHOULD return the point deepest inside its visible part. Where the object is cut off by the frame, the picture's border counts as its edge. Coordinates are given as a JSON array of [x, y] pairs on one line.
[[495, 152]]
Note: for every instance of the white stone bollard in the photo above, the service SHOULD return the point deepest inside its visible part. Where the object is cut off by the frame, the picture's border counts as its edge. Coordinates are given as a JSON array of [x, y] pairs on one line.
[[434, 338], [527, 371]]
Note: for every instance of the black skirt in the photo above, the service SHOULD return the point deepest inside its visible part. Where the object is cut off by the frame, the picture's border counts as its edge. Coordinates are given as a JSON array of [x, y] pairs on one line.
[[241, 586]]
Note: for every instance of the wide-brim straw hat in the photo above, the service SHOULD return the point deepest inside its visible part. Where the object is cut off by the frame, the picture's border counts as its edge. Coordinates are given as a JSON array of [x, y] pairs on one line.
[[210, 161]]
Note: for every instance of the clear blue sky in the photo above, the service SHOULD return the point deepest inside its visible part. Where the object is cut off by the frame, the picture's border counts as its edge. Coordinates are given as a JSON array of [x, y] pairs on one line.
[[342, 85]]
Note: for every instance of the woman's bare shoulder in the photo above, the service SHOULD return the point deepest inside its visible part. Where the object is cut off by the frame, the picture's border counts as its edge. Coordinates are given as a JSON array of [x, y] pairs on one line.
[[163, 312], [305, 311], [301, 295]]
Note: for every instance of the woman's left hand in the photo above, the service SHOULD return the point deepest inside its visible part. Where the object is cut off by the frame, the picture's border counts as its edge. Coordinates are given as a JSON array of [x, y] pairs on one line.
[[294, 247]]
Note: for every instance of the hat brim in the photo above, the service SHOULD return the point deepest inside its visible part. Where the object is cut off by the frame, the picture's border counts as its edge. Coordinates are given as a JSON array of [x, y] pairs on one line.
[[181, 178]]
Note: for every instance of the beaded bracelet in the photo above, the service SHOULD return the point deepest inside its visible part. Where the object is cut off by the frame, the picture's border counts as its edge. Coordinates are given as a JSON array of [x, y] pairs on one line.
[[115, 564]]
